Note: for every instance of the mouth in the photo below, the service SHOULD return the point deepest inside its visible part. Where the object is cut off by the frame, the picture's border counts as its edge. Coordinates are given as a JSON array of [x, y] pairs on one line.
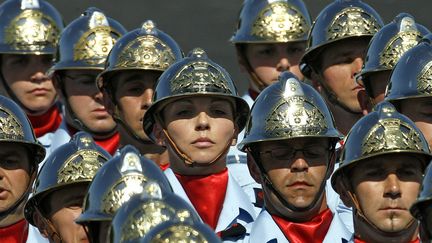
[[358, 87], [299, 184], [3, 193], [39, 91], [203, 142]]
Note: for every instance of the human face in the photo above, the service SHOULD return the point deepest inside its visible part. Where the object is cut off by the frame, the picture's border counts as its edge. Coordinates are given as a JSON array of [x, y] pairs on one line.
[[340, 62], [298, 178], [269, 60], [378, 82], [25, 75], [15, 175], [386, 186], [133, 94], [201, 127], [419, 110], [86, 101], [65, 206]]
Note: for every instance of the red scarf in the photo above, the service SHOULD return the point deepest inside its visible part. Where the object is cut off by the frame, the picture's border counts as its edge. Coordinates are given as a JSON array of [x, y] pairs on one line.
[[312, 231], [253, 94], [110, 144], [47, 122], [357, 240], [207, 194], [164, 167], [16, 233]]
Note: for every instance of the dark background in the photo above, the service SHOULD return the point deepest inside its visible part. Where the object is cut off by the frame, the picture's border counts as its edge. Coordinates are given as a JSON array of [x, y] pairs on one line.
[[210, 24]]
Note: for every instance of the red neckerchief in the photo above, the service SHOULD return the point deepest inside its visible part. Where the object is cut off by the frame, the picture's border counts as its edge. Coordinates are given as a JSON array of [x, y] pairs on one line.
[[253, 94], [47, 122], [16, 233], [207, 194], [357, 240], [110, 144], [311, 231], [164, 167]]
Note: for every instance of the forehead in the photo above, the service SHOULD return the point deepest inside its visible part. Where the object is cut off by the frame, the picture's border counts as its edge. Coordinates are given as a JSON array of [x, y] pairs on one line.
[[200, 100], [78, 72], [295, 142], [388, 162], [349, 45], [131, 75]]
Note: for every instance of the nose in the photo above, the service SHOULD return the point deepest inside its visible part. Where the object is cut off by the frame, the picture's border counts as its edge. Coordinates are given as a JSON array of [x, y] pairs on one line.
[[38, 77], [356, 66], [147, 98], [299, 164], [283, 64], [392, 187], [202, 122]]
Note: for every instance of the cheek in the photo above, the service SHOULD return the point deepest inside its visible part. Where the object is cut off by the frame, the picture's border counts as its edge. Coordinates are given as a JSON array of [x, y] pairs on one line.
[[369, 195], [426, 129], [335, 76]]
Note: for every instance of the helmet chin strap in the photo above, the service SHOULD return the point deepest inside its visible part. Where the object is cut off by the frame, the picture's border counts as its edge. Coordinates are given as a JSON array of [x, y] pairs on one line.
[[332, 97], [51, 231], [278, 194], [255, 79], [188, 160]]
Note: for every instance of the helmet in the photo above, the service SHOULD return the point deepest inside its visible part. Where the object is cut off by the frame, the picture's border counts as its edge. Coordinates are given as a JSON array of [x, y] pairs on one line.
[[86, 41], [288, 109], [340, 20], [272, 21], [389, 44], [140, 214], [75, 162], [145, 48], [422, 207], [175, 231], [121, 177], [195, 75], [383, 131], [15, 128], [29, 27], [411, 75]]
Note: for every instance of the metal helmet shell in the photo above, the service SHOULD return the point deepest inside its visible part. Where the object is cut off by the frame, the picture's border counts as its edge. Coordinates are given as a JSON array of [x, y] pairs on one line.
[[411, 77], [29, 27], [15, 128], [340, 20], [123, 176], [422, 207], [141, 213], [383, 131], [172, 231], [263, 21], [75, 162], [145, 48], [194, 75], [389, 44], [86, 41], [288, 109]]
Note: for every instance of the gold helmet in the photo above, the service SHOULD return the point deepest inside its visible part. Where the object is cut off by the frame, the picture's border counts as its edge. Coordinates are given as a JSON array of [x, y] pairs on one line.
[[263, 21], [288, 109], [86, 41], [142, 213], [411, 77], [389, 44], [116, 182], [185, 232], [75, 162], [383, 131], [29, 27], [194, 75], [340, 20], [145, 48]]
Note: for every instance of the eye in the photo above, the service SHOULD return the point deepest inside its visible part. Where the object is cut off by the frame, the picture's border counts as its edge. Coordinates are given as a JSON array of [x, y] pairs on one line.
[[295, 50]]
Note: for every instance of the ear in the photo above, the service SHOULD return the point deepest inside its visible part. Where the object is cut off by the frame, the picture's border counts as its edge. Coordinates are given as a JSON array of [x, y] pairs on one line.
[[40, 225], [343, 192], [253, 168], [315, 77], [235, 136], [159, 134]]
